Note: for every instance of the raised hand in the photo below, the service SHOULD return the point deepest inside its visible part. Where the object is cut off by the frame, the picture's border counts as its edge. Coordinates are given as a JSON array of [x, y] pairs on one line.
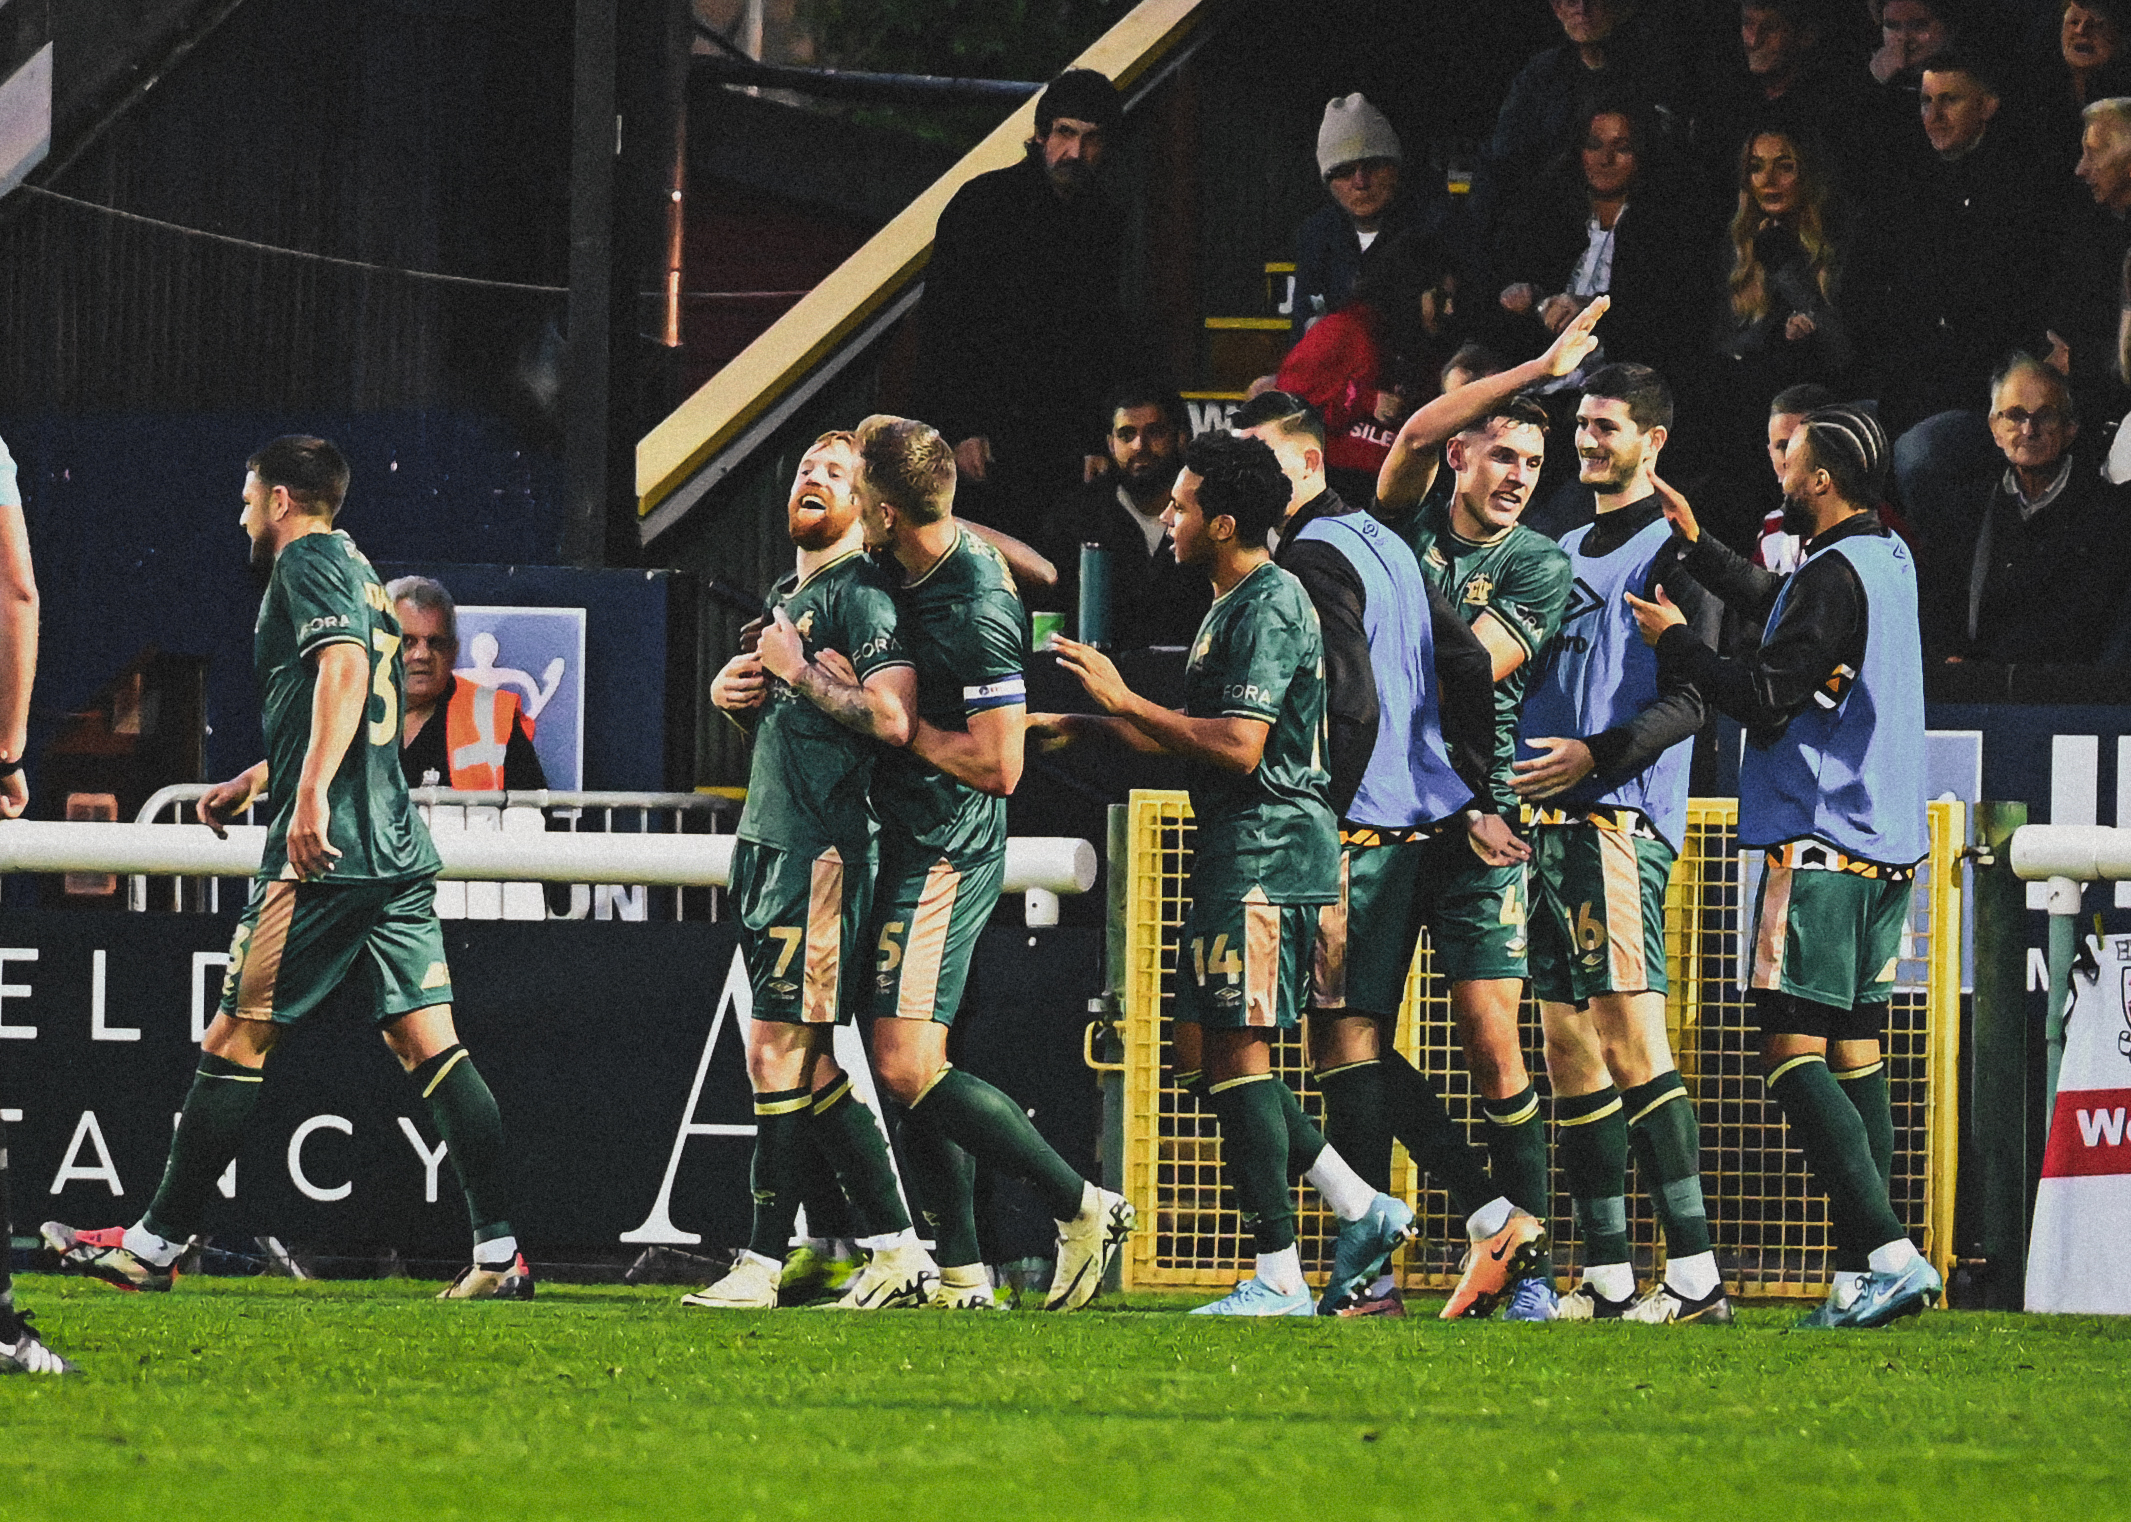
[[1573, 345], [1677, 510], [1097, 672]]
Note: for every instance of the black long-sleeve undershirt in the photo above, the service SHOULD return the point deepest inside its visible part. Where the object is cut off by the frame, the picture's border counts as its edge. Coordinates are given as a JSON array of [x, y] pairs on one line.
[[1464, 669], [1816, 647], [1679, 709]]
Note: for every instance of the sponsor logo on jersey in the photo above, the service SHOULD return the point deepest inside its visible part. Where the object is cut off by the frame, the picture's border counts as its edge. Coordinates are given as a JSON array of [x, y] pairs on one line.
[[1582, 600], [328, 621]]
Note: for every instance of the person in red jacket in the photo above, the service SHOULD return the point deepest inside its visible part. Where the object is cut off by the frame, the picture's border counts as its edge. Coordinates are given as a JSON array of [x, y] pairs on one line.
[[1369, 364]]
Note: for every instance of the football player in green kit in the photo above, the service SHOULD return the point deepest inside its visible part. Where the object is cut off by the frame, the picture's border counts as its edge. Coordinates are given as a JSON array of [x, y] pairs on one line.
[[1511, 583], [941, 802], [346, 887], [1265, 849], [802, 877]]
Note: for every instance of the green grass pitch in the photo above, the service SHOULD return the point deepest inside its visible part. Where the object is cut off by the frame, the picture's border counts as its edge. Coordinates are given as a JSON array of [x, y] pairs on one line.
[[266, 1398]]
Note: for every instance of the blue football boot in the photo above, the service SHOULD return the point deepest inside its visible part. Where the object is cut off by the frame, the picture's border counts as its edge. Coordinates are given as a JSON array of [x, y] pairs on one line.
[[1885, 1298], [1254, 1297], [1532, 1299], [1363, 1248]]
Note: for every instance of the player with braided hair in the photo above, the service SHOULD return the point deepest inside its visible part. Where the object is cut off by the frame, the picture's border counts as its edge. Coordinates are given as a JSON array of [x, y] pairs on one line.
[[1831, 789]]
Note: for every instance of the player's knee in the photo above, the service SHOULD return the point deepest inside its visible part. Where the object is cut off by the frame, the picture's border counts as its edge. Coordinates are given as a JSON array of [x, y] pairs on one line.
[[905, 1075]]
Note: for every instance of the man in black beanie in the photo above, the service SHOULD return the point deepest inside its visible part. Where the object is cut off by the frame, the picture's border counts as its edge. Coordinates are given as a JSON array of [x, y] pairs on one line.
[[1020, 321]]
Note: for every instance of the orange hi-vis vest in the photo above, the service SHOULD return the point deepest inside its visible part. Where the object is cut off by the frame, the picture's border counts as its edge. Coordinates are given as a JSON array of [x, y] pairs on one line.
[[477, 732]]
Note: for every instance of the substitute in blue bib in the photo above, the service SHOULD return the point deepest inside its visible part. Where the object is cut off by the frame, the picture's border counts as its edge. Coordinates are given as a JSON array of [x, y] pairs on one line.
[[1831, 797], [1409, 694], [1605, 746]]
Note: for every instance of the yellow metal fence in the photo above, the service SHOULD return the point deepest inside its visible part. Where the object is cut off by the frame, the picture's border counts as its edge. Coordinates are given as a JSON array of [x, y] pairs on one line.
[[1770, 1227]]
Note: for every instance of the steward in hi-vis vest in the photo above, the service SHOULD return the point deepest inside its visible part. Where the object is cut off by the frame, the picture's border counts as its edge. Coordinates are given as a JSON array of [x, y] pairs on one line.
[[1831, 797], [479, 725]]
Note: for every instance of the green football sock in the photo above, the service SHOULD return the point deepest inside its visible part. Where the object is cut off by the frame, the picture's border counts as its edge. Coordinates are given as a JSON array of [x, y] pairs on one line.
[[849, 1140], [814, 1179], [1305, 1143], [1254, 1153], [1516, 1156], [1832, 1135], [988, 1125], [1667, 1141], [222, 1098], [1866, 1089], [781, 1125], [1356, 1121], [1594, 1165], [465, 1115], [942, 1180], [1432, 1139]]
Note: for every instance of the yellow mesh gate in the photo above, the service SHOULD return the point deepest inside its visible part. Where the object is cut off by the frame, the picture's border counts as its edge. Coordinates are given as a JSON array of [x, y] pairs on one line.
[[1770, 1228]]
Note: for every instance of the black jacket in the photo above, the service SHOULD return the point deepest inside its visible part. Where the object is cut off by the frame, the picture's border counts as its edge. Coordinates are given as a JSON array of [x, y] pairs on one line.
[[1329, 257], [1020, 323], [1153, 600], [1952, 271], [1662, 287], [2052, 584]]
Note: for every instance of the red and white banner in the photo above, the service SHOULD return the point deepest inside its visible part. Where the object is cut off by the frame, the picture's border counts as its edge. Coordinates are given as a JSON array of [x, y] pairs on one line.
[[2080, 1258]]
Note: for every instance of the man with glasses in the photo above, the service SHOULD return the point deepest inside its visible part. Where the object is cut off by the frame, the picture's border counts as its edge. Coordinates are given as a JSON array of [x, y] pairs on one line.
[[2036, 568]]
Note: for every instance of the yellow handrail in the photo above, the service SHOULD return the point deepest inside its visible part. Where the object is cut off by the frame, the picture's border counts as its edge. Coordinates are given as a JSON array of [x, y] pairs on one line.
[[754, 381]]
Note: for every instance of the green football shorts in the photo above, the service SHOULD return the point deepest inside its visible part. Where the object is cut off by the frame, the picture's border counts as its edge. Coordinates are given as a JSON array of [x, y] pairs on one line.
[[1242, 966], [1475, 915], [296, 942], [1829, 929], [927, 914], [803, 918], [1598, 907]]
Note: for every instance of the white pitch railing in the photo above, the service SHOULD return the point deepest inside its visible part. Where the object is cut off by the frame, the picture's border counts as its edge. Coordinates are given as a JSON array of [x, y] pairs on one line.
[[508, 853], [2066, 857]]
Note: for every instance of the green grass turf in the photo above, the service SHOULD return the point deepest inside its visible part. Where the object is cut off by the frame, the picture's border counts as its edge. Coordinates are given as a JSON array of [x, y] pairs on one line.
[[266, 1398]]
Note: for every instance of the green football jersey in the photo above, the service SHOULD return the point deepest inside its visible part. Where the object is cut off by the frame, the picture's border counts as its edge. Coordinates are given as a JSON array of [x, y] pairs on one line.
[[963, 628], [323, 592], [1260, 655], [806, 789], [1523, 578]]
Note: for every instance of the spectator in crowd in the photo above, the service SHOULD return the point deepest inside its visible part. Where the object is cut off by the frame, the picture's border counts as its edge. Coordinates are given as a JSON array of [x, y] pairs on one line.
[[1615, 44], [1375, 197], [1781, 325], [1153, 600], [1369, 364], [1910, 32], [1776, 548], [2086, 302], [1605, 220], [1474, 361], [1793, 78], [1950, 273], [1021, 329], [454, 734], [2037, 569]]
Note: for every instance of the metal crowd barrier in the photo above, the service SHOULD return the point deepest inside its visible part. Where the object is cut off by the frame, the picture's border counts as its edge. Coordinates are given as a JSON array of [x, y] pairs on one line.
[[1770, 1226], [499, 841]]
